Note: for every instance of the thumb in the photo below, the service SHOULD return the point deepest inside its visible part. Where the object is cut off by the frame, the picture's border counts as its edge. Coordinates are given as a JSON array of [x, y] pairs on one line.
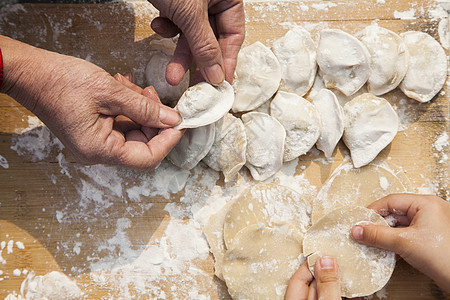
[[327, 278], [380, 236]]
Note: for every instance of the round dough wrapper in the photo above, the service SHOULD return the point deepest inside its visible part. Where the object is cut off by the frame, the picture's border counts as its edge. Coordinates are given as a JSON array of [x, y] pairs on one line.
[[227, 153], [268, 204], [257, 77], [363, 270], [427, 70], [349, 186], [261, 260]]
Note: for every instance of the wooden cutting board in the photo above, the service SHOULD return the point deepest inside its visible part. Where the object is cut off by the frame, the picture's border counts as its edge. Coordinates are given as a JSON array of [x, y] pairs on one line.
[[117, 37]]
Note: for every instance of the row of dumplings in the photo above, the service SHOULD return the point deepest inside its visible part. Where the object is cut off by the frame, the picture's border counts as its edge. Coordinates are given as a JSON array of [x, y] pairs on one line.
[[273, 132]]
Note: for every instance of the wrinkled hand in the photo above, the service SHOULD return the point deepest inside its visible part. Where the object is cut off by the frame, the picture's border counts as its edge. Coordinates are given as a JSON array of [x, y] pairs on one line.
[[303, 286], [212, 32], [88, 110], [425, 241]]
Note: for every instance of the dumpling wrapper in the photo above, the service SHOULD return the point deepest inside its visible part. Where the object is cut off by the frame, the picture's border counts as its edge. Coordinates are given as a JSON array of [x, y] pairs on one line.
[[344, 61], [296, 53], [193, 146], [363, 270], [348, 186], [265, 144], [268, 204], [301, 121], [261, 260], [257, 77], [332, 116], [155, 72], [370, 125], [227, 153], [389, 58], [203, 104], [427, 70]]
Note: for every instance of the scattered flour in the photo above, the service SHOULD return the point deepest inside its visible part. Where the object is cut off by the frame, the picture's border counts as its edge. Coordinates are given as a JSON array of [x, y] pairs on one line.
[[405, 15], [3, 162]]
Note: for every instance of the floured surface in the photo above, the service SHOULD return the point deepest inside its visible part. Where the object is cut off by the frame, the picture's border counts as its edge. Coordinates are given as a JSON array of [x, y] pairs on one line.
[[117, 232]]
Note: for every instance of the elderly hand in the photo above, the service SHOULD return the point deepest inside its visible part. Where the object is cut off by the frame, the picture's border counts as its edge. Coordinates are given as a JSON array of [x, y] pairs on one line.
[[212, 32], [424, 237], [303, 286], [87, 109]]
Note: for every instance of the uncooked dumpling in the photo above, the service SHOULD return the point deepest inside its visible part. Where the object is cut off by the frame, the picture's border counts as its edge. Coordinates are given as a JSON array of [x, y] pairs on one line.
[[427, 70], [203, 104], [257, 77], [301, 121], [192, 147], [363, 270], [332, 116], [155, 73], [296, 53], [227, 153], [268, 204], [389, 58], [265, 144], [343, 60], [261, 260], [370, 125], [348, 186]]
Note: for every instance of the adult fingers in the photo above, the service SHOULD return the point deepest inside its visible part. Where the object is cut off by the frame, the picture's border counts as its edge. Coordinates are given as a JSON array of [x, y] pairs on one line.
[[327, 278], [150, 93], [299, 284], [399, 204], [164, 27], [127, 81], [180, 62]]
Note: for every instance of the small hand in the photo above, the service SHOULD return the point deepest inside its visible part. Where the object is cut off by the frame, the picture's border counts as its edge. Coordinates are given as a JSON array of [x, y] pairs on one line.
[[422, 238]]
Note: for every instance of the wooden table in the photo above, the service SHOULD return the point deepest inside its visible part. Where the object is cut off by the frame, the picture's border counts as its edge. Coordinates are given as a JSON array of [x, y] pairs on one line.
[[42, 198]]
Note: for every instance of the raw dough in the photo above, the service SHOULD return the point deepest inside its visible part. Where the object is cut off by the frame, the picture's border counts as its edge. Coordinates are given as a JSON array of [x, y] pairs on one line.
[[257, 77], [155, 73], [192, 147], [363, 270], [301, 121], [343, 60], [370, 125], [348, 186], [268, 204], [389, 58], [203, 104], [427, 66], [261, 260], [265, 144], [227, 153], [296, 53], [332, 116]]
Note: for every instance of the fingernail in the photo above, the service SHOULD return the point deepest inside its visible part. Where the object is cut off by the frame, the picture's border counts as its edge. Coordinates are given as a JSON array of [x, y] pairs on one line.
[[169, 116], [326, 262], [214, 74], [357, 232]]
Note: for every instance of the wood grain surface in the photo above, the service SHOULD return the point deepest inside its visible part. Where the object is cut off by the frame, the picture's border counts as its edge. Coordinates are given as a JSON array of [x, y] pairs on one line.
[[117, 38]]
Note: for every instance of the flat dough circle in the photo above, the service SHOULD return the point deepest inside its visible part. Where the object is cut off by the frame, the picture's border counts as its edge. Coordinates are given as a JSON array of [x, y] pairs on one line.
[[348, 186], [268, 204], [261, 260], [363, 270]]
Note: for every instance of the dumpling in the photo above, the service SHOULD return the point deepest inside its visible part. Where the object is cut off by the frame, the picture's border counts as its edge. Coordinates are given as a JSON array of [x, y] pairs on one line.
[[332, 116], [155, 72], [257, 77], [296, 53], [370, 125], [427, 70], [192, 147], [227, 153], [203, 104], [301, 121], [265, 144], [389, 58], [343, 60]]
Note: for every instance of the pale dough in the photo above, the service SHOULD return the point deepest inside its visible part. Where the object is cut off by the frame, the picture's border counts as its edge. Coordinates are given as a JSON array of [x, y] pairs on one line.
[[268, 204], [261, 260], [363, 270], [348, 186]]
